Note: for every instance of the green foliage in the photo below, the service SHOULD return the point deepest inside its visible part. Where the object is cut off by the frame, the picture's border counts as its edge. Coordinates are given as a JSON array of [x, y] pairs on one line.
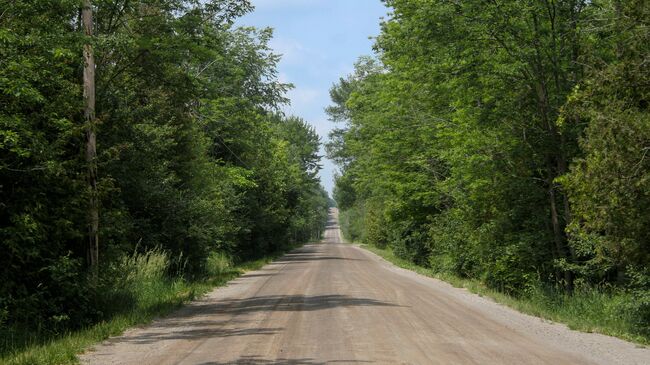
[[218, 264], [139, 291], [194, 161], [352, 223], [609, 185], [504, 142]]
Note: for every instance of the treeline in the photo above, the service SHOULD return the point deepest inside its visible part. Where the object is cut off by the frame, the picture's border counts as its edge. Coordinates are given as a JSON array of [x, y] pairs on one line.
[[505, 141], [193, 156]]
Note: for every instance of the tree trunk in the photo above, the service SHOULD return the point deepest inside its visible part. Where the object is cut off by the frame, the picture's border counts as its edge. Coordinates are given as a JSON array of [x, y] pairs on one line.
[[559, 237], [91, 139]]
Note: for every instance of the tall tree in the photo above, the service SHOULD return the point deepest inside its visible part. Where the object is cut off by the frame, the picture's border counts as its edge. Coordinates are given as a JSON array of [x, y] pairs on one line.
[[91, 137], [194, 160], [452, 152], [608, 185]]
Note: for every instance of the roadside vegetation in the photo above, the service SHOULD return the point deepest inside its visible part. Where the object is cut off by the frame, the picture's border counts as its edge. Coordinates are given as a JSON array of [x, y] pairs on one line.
[[503, 145], [139, 290], [118, 209], [587, 309]]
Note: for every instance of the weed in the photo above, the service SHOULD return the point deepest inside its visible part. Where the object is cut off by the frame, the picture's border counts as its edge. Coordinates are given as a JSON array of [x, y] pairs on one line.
[[133, 291]]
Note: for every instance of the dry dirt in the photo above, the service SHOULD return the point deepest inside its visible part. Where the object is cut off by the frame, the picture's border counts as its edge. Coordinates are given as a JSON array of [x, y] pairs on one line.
[[334, 303]]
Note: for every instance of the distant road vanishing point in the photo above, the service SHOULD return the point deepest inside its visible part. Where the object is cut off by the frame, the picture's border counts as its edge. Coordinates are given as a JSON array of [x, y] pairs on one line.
[[335, 303]]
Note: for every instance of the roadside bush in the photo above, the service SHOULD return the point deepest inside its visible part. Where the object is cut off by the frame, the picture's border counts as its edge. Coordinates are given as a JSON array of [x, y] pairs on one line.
[[409, 243], [449, 244], [352, 223], [131, 280], [217, 264], [639, 308], [376, 230], [639, 305]]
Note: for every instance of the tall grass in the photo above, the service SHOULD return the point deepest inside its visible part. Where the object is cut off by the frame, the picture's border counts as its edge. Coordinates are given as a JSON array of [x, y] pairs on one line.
[[143, 281], [218, 264], [131, 291], [147, 267], [590, 309]]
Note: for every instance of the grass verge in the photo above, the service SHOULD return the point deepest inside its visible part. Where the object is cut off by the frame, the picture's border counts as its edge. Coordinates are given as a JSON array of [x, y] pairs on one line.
[[156, 297], [587, 310]]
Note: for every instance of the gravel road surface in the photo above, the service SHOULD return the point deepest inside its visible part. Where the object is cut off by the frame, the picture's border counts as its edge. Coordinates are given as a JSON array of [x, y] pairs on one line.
[[335, 303]]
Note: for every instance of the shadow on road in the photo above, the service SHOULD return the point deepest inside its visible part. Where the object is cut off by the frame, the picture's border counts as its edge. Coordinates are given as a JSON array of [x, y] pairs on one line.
[[200, 333], [309, 253], [299, 258], [256, 360], [292, 303], [183, 327], [332, 224], [254, 275]]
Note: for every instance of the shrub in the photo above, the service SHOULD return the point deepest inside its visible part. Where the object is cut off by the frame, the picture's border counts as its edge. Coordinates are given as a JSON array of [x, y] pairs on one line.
[[218, 264]]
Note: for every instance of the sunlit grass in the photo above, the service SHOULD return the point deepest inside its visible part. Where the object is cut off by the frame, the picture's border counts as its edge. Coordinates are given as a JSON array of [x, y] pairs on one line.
[[143, 278]]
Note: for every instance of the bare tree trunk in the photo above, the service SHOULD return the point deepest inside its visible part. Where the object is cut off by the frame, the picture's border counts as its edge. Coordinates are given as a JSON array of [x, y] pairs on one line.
[[91, 139]]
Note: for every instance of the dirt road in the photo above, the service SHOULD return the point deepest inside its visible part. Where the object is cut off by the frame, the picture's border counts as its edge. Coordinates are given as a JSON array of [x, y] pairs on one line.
[[333, 303]]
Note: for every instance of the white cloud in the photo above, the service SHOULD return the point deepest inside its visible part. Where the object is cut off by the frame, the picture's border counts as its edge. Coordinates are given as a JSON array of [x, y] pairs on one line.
[[292, 51], [307, 103], [295, 53], [301, 96]]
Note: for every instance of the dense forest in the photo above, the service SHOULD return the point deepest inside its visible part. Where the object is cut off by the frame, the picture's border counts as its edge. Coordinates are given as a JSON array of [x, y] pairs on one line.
[[135, 131], [505, 141]]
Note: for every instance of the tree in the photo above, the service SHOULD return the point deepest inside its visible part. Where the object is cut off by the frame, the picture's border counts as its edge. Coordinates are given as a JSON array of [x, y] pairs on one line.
[[194, 160], [608, 184], [91, 139], [452, 151]]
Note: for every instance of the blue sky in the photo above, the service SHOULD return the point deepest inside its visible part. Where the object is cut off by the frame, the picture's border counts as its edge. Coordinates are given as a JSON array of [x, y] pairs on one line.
[[320, 40]]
